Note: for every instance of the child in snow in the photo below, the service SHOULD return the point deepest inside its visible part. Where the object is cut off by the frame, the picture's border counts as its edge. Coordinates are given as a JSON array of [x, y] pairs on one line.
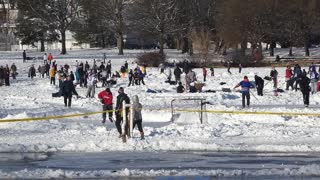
[[180, 88]]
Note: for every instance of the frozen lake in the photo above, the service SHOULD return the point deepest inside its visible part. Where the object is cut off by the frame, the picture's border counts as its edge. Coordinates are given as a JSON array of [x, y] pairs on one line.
[[180, 164]]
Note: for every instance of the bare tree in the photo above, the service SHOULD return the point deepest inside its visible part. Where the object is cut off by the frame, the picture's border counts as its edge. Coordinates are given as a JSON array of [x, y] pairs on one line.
[[156, 17], [58, 13]]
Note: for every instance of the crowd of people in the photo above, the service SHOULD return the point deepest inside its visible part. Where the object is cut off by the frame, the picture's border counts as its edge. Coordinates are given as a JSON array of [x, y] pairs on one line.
[[87, 76]]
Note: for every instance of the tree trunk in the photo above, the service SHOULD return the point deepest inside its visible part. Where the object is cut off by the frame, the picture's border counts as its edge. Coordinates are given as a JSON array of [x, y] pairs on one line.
[[224, 52], [120, 43], [271, 49], [63, 42], [260, 50], [290, 51], [222, 44], [42, 48], [190, 47], [103, 41], [253, 47], [161, 43], [306, 46], [243, 48], [185, 45], [267, 46]]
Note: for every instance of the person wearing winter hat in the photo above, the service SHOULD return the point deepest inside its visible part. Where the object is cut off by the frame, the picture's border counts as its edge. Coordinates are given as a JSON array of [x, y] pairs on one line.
[[137, 116], [245, 90], [122, 97], [304, 82], [106, 100]]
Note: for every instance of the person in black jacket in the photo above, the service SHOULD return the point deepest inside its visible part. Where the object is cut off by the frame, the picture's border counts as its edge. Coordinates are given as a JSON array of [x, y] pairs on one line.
[[72, 78], [1, 75], [180, 88], [122, 97], [177, 74], [259, 85], [131, 78], [67, 90], [304, 82]]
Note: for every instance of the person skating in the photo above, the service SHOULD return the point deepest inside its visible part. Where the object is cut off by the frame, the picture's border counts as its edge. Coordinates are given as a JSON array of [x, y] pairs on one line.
[[296, 74], [259, 85], [24, 56], [212, 71], [106, 98], [108, 68], [50, 58], [92, 81], [314, 76], [53, 75], [131, 78], [122, 97], [32, 72], [1, 75], [13, 70], [72, 78], [45, 58], [6, 71], [141, 76], [177, 74], [288, 78], [137, 116], [102, 67], [228, 67], [43, 70], [47, 69], [68, 89], [126, 66], [245, 90], [87, 66], [204, 73], [123, 71], [240, 67], [274, 76], [304, 82]]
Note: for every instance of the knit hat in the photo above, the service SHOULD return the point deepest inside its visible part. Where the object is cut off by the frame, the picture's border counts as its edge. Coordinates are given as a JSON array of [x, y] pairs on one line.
[[121, 90]]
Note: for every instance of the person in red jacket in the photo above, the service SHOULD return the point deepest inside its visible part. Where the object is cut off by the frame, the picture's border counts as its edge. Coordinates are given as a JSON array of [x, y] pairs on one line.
[[288, 78], [204, 72], [50, 58], [106, 99]]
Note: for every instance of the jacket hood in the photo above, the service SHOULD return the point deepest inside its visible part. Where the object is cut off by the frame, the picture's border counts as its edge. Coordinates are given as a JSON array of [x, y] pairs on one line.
[[135, 99]]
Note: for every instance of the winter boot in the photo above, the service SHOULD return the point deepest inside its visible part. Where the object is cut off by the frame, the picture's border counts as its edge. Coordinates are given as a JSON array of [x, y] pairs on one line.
[[142, 135], [124, 138]]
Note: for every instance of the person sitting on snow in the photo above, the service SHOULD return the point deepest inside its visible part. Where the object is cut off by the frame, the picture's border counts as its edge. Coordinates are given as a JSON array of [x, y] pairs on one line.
[[192, 88], [180, 88]]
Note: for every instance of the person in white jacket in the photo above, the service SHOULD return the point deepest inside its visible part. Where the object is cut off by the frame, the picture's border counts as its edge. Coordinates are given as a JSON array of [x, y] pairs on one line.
[[92, 81], [45, 58]]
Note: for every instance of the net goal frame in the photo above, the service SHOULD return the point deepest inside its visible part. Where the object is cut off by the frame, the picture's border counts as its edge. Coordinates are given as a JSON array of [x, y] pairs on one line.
[[200, 107]]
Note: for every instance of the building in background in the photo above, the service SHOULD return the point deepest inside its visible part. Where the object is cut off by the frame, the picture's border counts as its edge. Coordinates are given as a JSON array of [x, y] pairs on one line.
[[9, 42]]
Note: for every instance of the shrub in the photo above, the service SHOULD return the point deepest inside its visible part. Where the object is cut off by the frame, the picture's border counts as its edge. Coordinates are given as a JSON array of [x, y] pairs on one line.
[[151, 59]]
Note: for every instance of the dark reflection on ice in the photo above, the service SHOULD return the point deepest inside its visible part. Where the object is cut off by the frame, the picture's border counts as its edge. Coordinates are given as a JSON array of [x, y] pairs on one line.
[[146, 161]]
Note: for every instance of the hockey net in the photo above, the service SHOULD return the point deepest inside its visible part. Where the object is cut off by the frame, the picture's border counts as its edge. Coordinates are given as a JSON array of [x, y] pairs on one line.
[[188, 110]]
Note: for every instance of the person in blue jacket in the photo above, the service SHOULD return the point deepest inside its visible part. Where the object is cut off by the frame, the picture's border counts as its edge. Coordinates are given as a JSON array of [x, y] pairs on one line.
[[245, 90]]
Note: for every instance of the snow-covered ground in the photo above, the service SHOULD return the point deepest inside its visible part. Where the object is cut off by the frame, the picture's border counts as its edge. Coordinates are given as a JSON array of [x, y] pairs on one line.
[[27, 98]]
